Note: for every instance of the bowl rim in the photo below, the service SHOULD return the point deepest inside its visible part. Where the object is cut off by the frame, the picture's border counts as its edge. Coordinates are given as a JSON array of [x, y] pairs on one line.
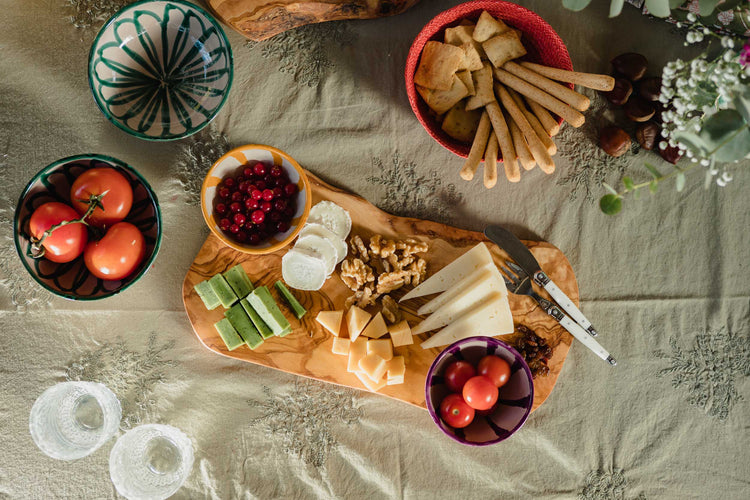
[[490, 340], [191, 131], [303, 218], [70, 159], [432, 25]]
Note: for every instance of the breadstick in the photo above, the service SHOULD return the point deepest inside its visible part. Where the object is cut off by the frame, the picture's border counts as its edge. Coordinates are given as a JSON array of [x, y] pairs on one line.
[[477, 148], [570, 97], [570, 115], [538, 128], [538, 151], [512, 172], [545, 118], [588, 80], [490, 162], [524, 154]]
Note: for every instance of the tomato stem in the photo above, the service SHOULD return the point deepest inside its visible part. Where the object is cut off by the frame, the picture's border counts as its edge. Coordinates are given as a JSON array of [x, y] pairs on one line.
[[94, 201]]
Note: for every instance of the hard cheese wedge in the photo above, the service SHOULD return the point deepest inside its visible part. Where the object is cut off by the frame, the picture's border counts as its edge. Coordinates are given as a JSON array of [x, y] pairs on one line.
[[375, 328], [356, 320], [222, 290], [491, 318], [207, 295], [451, 274], [396, 371], [239, 281], [401, 334], [357, 351], [373, 366], [241, 322], [228, 334], [381, 347], [331, 321], [340, 346], [480, 275], [260, 325], [269, 312], [466, 300]]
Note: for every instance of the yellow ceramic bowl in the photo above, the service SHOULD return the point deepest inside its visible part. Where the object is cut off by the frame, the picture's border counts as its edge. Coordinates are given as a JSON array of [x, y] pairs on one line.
[[229, 164]]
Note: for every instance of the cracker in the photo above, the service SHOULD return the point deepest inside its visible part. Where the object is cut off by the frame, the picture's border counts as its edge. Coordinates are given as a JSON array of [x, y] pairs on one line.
[[503, 48], [472, 58], [488, 27], [441, 101], [439, 63], [461, 124], [483, 86], [466, 79], [460, 35]]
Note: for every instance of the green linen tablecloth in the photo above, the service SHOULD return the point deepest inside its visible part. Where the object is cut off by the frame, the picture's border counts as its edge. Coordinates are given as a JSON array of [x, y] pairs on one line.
[[666, 283]]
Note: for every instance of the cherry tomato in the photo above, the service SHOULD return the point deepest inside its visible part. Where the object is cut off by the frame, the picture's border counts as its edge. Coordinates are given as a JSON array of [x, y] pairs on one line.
[[455, 412], [494, 368], [480, 393], [116, 202], [117, 254], [64, 243], [457, 374]]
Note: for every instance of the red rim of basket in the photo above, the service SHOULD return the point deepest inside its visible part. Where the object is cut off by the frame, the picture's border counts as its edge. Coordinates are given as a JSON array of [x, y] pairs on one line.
[[542, 42]]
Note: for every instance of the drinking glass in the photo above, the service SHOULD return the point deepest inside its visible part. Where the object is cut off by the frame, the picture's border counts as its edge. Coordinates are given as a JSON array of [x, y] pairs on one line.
[[151, 462], [73, 419]]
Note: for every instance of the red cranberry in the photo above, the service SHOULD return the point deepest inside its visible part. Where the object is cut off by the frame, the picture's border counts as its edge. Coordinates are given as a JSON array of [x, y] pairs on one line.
[[257, 194], [282, 226], [239, 219], [276, 171], [250, 188], [278, 192], [254, 239], [224, 193], [265, 206], [289, 212], [236, 196], [229, 182], [261, 185], [259, 168], [234, 228], [251, 203], [221, 208], [279, 205], [242, 186], [241, 236], [268, 194], [274, 216], [290, 189], [235, 207], [258, 217], [248, 171], [224, 224]]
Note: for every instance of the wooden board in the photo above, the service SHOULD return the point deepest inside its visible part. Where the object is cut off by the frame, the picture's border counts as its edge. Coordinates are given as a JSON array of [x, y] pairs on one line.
[[262, 19], [307, 350]]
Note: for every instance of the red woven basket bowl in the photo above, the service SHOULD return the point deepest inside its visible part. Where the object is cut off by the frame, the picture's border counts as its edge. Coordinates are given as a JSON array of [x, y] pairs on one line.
[[542, 43]]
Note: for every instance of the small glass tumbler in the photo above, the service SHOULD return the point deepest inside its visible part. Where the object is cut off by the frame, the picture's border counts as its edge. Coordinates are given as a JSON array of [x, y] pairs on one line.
[[73, 419], [151, 462]]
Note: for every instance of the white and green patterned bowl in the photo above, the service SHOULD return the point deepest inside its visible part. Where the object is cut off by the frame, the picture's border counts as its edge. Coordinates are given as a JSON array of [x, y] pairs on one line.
[[161, 70]]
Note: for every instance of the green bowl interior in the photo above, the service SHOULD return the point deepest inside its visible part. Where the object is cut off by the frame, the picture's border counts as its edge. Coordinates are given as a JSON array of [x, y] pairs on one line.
[[72, 280], [161, 70]]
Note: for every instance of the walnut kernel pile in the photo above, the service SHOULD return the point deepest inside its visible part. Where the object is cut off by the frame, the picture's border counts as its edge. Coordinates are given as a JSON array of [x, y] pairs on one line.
[[376, 268]]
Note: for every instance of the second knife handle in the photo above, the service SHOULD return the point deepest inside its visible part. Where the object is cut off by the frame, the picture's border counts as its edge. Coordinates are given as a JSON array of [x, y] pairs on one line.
[[584, 337], [567, 305]]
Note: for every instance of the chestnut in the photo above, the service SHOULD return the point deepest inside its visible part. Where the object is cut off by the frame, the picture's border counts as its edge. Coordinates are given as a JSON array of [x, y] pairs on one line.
[[638, 109], [621, 93], [647, 134], [614, 141], [671, 154], [650, 88], [630, 65]]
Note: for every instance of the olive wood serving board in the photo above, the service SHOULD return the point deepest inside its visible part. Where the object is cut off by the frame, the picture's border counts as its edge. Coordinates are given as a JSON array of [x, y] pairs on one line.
[[307, 350], [262, 19]]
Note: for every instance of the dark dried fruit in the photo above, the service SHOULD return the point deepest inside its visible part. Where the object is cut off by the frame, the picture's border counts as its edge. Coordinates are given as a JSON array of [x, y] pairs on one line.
[[647, 134], [630, 65], [650, 88], [535, 351], [614, 141], [670, 154], [639, 109], [621, 93]]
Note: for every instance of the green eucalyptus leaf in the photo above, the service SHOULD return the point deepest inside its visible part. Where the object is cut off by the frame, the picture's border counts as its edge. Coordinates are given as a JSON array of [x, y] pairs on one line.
[[653, 186], [692, 141], [658, 8], [736, 147], [720, 126], [707, 7], [615, 7], [610, 189], [628, 183], [575, 5], [742, 105], [680, 182], [610, 204], [653, 170], [673, 4]]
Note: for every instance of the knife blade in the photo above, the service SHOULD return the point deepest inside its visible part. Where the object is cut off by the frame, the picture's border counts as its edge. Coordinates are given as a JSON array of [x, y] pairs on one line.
[[526, 260]]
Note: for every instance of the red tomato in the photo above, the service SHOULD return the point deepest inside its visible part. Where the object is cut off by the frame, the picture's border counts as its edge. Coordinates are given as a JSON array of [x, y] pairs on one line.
[[457, 374], [480, 393], [494, 368], [116, 202], [64, 243], [117, 254], [455, 412]]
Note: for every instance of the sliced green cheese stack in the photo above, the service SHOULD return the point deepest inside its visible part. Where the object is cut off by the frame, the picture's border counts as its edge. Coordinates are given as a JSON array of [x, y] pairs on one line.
[[228, 334], [297, 308], [241, 322], [207, 295], [262, 301], [222, 290], [263, 329], [239, 281]]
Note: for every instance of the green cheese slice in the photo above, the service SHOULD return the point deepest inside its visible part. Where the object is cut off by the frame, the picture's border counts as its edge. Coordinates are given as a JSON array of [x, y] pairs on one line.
[[297, 308], [228, 334], [241, 322], [262, 328], [222, 290], [239, 281], [269, 311], [207, 295]]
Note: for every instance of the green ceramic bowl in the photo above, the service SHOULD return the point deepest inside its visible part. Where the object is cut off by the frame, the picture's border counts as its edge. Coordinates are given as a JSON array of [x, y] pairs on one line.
[[72, 280], [161, 70]]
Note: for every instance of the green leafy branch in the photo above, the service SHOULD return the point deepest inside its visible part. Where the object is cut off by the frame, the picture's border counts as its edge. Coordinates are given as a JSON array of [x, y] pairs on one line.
[[658, 8], [611, 203]]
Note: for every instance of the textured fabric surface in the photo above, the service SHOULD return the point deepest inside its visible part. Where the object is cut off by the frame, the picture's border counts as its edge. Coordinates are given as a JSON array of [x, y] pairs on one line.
[[665, 282]]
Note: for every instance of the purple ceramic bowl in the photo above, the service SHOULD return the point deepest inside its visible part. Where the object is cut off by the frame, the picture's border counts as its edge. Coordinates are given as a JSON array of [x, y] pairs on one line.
[[513, 403]]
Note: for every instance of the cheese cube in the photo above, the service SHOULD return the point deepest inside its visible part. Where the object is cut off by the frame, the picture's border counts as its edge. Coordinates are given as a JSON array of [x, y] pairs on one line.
[[373, 366], [357, 351], [372, 386], [331, 321], [340, 346], [395, 371], [381, 347], [376, 328], [356, 320], [401, 334]]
